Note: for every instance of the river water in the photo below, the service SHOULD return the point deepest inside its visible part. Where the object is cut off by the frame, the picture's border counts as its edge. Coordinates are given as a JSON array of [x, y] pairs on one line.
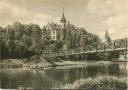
[[54, 77]]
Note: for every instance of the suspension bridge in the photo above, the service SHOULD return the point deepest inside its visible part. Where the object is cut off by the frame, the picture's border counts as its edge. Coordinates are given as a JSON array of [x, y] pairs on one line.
[[117, 45]]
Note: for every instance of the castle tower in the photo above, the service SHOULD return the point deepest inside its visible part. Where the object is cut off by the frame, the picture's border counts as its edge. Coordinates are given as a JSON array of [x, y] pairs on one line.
[[63, 20]]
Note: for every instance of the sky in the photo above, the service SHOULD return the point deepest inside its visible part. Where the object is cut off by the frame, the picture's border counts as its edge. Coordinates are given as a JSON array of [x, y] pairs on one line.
[[95, 16]]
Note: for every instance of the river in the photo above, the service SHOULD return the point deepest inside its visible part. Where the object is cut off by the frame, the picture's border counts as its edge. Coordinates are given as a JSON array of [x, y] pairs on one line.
[[54, 77]]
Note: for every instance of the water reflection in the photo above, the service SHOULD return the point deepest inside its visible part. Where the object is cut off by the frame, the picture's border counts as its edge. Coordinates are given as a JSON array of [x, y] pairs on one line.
[[52, 78]]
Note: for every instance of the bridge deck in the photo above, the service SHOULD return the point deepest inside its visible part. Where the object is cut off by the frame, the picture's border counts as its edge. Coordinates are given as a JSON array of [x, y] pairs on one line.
[[83, 52]]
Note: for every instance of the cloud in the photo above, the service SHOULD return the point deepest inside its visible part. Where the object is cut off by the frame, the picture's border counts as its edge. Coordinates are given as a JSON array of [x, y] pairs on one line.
[[95, 16], [106, 15], [10, 13]]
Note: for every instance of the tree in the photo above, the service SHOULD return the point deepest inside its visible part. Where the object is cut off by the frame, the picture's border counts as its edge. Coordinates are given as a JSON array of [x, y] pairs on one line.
[[3, 49], [10, 41]]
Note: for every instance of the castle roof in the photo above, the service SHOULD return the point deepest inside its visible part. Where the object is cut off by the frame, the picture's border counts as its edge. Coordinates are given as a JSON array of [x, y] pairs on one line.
[[53, 26]]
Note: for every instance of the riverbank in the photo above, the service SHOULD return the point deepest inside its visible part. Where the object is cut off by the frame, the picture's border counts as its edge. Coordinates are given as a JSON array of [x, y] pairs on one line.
[[98, 82], [43, 63]]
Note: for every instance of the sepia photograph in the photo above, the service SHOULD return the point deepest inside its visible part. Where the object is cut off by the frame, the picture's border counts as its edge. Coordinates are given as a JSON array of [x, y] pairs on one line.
[[63, 44]]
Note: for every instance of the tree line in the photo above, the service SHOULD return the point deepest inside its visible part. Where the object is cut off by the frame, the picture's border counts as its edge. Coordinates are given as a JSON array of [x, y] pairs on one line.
[[20, 40], [25, 40]]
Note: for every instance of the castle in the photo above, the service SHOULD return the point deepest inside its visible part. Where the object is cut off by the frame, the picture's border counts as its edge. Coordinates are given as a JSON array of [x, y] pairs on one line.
[[58, 31]]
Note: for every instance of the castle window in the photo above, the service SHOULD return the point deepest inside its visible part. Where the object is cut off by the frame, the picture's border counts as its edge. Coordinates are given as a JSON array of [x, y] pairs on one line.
[[53, 32]]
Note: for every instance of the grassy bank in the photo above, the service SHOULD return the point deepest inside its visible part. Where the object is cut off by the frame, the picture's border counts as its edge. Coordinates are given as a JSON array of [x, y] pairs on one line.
[[98, 82], [43, 63], [37, 62]]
